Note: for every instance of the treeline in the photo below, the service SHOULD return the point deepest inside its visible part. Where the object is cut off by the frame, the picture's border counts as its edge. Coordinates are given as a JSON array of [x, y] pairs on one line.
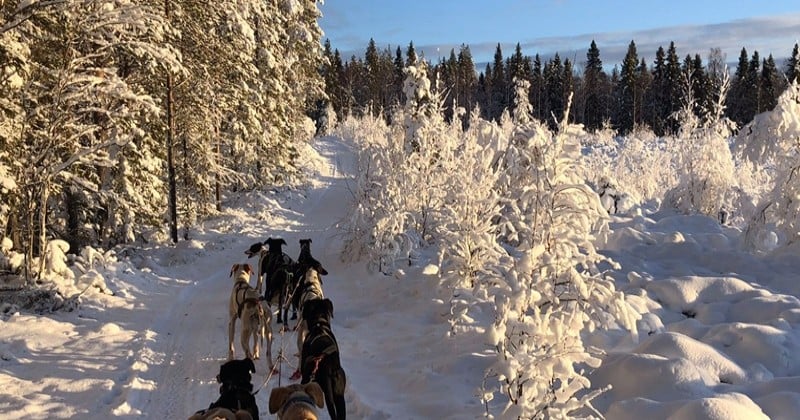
[[123, 119], [635, 93]]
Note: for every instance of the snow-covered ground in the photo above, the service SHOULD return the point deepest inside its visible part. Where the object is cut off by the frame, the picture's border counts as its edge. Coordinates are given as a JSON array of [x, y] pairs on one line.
[[718, 339]]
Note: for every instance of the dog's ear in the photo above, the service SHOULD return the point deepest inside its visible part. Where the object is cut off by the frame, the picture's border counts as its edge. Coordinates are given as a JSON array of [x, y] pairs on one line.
[[282, 241], [321, 270], [248, 269], [277, 397], [250, 365], [315, 392], [234, 268]]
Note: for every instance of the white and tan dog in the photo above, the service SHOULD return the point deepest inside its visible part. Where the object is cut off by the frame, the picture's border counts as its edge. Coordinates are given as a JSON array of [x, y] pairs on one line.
[[296, 401], [309, 289], [245, 305]]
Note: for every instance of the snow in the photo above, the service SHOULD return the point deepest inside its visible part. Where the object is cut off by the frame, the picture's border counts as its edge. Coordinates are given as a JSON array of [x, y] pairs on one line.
[[718, 339]]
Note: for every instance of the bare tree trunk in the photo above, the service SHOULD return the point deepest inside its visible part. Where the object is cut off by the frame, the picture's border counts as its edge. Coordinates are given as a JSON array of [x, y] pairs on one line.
[[43, 227], [30, 237], [173, 194], [217, 186]]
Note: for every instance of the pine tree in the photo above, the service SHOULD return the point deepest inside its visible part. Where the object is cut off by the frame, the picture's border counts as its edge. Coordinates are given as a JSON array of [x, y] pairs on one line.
[[626, 91], [737, 108], [537, 95], [644, 80], [769, 84], [554, 93], [674, 87], [499, 88], [411, 55], [466, 79], [700, 87], [568, 87], [753, 87], [593, 78], [793, 64], [657, 100], [515, 66], [397, 82]]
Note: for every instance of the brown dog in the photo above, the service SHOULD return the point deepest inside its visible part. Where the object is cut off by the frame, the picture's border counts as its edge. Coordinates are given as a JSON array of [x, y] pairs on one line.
[[296, 402], [245, 305]]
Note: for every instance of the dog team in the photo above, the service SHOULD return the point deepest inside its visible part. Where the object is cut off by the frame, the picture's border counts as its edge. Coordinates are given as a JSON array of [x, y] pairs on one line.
[[286, 284]]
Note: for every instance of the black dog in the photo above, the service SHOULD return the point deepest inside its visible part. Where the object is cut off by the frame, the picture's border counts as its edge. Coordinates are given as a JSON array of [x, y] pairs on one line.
[[236, 390], [276, 271], [320, 356], [305, 261]]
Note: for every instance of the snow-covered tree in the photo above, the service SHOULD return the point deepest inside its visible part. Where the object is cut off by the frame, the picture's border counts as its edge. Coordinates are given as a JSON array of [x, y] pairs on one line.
[[470, 255], [773, 138], [705, 158], [555, 288], [80, 108]]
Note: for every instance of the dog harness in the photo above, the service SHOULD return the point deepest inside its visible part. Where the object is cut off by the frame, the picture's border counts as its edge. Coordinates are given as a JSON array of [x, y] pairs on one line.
[[298, 398], [327, 351], [242, 287]]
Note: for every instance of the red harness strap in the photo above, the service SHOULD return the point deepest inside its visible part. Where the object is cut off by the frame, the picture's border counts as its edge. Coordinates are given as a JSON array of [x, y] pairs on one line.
[[316, 361]]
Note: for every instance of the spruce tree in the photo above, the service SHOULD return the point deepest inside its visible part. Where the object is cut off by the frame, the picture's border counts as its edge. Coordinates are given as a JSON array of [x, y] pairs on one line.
[[554, 91], [626, 91], [499, 88], [466, 79], [673, 88], [411, 55], [700, 87], [644, 80], [568, 88], [593, 76], [737, 103], [537, 99], [793, 65], [657, 100], [753, 87], [770, 84], [515, 66], [399, 77]]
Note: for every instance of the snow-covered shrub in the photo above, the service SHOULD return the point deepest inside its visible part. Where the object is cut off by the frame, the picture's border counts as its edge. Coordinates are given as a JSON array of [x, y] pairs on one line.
[[555, 289], [641, 165], [400, 187], [646, 165], [470, 255], [773, 138], [705, 159], [55, 262], [365, 130]]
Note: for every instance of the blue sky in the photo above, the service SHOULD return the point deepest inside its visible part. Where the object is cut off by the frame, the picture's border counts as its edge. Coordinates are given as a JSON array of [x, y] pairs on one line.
[[564, 26]]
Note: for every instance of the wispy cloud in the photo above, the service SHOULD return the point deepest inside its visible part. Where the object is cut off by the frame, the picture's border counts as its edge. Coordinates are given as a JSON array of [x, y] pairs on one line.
[[774, 35]]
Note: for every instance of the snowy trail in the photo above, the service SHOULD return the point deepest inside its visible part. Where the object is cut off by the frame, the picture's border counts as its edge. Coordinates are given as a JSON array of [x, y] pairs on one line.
[[190, 333]]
